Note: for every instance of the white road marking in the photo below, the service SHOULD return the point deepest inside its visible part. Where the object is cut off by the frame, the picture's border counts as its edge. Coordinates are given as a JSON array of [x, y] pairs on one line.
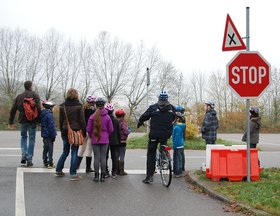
[[186, 157], [2, 155], [20, 200], [9, 148]]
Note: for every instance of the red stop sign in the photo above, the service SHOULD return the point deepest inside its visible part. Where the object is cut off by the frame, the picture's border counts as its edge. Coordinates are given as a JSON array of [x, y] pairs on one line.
[[248, 74]]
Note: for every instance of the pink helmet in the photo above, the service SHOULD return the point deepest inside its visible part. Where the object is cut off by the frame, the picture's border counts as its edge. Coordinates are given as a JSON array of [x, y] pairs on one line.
[[109, 107], [91, 99]]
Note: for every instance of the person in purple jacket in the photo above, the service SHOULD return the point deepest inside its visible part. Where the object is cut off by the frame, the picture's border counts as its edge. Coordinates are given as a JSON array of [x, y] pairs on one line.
[[99, 128]]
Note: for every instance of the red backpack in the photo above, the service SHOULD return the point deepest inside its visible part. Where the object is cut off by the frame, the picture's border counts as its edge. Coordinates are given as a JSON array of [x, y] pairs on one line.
[[30, 109]]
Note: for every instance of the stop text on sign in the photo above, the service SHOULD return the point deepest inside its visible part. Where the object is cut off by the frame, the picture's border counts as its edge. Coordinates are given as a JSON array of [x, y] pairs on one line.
[[248, 74]]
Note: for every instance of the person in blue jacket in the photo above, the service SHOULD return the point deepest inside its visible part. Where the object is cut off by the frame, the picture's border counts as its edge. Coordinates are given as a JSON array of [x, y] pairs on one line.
[[48, 132], [178, 142]]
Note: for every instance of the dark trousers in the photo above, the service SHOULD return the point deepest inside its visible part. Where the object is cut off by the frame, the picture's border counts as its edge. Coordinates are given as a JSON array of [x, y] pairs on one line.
[[48, 151], [210, 142], [114, 150], [151, 154]]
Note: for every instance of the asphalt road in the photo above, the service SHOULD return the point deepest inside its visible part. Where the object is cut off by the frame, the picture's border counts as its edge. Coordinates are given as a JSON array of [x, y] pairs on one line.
[[35, 191]]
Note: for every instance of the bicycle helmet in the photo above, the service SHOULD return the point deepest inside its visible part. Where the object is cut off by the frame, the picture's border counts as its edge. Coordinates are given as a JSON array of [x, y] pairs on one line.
[[254, 110], [48, 104], [120, 112], [179, 109], [109, 107], [91, 99], [163, 96], [100, 102], [210, 103]]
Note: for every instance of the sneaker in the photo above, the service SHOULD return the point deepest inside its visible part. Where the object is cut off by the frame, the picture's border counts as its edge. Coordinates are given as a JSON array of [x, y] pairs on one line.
[[51, 166], [59, 174], [107, 175], [76, 178], [148, 180], [29, 164], [45, 166], [177, 176], [23, 160], [114, 175]]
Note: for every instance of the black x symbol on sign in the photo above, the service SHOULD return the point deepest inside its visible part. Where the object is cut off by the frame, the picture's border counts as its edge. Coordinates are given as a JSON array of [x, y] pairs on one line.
[[231, 38]]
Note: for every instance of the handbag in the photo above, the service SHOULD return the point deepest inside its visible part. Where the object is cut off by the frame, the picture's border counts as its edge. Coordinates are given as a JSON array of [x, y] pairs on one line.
[[74, 137]]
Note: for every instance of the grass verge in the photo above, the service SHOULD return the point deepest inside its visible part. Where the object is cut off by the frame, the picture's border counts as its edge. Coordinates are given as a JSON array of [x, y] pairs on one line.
[[263, 194], [193, 144]]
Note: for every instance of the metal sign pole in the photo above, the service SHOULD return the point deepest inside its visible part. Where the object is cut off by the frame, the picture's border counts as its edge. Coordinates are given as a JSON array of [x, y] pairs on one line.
[[248, 101]]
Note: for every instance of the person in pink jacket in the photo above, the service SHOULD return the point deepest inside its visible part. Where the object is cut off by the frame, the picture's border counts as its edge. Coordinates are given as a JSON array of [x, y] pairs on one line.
[[99, 128]]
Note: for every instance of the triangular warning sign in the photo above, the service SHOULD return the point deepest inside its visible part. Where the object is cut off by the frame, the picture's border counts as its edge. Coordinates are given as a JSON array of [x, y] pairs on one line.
[[232, 39]]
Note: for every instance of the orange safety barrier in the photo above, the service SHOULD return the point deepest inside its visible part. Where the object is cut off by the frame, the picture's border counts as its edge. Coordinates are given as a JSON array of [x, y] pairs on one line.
[[232, 164]]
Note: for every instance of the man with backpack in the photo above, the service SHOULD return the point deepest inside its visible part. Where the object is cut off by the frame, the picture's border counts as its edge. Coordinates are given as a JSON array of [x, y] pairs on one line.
[[162, 115], [29, 107]]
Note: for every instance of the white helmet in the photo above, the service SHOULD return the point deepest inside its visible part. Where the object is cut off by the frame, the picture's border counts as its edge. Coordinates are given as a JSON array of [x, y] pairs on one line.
[[210, 103]]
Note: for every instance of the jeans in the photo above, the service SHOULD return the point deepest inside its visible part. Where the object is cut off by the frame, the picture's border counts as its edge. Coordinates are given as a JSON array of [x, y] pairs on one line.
[[27, 129], [178, 155], [64, 155], [151, 155], [48, 151]]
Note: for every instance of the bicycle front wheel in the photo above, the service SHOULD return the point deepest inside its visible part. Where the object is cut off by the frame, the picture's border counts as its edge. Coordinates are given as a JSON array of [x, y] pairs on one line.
[[165, 169]]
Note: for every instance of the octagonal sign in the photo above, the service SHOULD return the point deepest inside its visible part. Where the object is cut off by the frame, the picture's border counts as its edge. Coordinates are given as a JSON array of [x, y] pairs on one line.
[[248, 74]]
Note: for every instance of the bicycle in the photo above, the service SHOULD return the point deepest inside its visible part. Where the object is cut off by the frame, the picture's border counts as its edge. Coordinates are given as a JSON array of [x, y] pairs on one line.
[[164, 164]]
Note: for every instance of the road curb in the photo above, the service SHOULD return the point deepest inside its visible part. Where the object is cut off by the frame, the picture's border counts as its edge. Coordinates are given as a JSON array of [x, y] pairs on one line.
[[191, 177]]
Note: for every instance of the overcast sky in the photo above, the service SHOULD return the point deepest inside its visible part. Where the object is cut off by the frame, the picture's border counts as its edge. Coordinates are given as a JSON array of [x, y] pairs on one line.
[[189, 33]]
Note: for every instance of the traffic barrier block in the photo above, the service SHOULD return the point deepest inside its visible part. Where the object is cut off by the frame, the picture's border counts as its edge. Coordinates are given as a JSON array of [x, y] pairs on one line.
[[232, 164]]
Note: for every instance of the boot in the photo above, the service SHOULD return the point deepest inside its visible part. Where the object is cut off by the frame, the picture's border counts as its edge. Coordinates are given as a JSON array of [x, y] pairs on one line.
[[102, 179], [121, 167], [96, 177], [88, 165], [79, 162]]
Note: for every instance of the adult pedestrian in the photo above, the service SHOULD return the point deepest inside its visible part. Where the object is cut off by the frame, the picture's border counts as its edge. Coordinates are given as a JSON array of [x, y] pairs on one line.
[[210, 123], [99, 129], [86, 149], [162, 114], [255, 126], [27, 126], [74, 111]]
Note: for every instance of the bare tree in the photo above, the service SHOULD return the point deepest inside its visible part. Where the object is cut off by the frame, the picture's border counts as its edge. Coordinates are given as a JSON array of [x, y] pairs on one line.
[[136, 91], [12, 57], [87, 82], [181, 90], [33, 60], [111, 62], [166, 75], [52, 57], [197, 83]]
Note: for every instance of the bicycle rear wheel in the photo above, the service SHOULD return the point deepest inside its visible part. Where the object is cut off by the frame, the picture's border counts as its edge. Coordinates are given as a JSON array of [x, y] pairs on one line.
[[165, 169]]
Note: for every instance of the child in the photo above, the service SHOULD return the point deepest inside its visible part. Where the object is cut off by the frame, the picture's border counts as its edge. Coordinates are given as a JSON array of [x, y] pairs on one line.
[[124, 134], [178, 140], [99, 128], [48, 133], [86, 149]]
